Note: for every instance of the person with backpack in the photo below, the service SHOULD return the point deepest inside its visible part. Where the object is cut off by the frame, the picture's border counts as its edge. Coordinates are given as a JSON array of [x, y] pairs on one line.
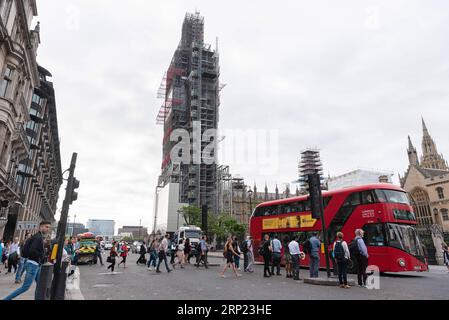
[[266, 252], [342, 255], [235, 246], [359, 251], [33, 250]]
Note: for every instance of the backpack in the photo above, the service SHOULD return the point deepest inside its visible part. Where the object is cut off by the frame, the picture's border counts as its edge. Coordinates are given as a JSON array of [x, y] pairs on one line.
[[354, 248], [307, 247], [25, 250], [339, 252]]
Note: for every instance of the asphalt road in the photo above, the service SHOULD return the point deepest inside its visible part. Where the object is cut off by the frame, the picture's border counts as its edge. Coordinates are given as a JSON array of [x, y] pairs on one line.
[[138, 283]]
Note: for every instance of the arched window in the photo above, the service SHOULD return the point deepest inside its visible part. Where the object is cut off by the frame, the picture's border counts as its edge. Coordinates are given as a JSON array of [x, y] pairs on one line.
[[445, 214], [440, 192], [421, 205]]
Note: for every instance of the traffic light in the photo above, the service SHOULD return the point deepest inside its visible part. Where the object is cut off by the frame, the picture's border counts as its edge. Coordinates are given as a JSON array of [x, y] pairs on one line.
[[316, 198], [75, 185]]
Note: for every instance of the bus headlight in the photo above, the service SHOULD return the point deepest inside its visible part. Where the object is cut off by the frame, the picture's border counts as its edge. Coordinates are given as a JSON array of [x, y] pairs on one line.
[[401, 262]]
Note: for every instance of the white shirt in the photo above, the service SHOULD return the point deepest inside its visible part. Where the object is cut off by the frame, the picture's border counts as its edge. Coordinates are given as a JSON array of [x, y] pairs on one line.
[[14, 248], [164, 245], [181, 247], [293, 247]]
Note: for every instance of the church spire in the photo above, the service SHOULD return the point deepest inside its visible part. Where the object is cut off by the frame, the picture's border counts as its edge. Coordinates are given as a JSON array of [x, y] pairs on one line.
[[412, 154], [430, 158]]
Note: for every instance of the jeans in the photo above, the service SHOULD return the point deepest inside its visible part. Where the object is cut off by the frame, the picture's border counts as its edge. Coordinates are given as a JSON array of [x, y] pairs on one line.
[[202, 257], [266, 267], [342, 271], [163, 256], [237, 261], [362, 264], [20, 269], [295, 261], [276, 263], [32, 274], [153, 259], [250, 257], [314, 266]]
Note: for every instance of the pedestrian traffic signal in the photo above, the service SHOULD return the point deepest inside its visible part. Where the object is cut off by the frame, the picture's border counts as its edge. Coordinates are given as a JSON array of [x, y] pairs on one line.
[[75, 185]]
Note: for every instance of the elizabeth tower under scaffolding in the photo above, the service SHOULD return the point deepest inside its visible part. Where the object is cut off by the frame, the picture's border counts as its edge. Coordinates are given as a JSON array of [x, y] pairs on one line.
[[191, 93]]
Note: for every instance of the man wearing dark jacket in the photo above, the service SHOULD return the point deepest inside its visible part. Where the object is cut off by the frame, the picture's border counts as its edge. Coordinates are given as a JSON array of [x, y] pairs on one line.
[[142, 252], [33, 250]]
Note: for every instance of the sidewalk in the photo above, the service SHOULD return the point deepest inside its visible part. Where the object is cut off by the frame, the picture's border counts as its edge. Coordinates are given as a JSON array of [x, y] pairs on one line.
[[7, 286]]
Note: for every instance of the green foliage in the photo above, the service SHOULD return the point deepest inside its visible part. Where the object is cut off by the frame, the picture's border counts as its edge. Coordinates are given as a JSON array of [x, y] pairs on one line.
[[224, 225], [191, 215], [127, 239]]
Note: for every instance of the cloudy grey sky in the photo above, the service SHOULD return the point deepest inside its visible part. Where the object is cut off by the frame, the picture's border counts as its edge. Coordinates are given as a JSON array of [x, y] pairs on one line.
[[350, 77]]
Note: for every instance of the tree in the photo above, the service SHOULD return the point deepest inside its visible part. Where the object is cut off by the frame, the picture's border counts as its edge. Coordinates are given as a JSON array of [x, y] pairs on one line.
[[224, 225], [191, 215]]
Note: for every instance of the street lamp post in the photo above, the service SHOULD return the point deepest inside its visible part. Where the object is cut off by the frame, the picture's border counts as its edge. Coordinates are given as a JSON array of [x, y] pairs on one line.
[[250, 193]]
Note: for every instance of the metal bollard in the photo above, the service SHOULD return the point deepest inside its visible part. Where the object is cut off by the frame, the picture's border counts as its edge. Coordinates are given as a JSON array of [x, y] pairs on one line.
[[62, 279], [43, 288]]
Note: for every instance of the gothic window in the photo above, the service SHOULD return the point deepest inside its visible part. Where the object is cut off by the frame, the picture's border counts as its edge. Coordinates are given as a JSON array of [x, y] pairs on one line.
[[421, 204], [440, 192], [445, 214]]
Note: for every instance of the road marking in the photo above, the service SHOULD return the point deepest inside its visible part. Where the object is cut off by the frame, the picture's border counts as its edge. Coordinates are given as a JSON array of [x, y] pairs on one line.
[[110, 273], [103, 285]]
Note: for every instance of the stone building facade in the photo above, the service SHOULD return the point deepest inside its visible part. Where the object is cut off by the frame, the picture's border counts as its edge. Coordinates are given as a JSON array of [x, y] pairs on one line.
[[427, 182], [30, 165]]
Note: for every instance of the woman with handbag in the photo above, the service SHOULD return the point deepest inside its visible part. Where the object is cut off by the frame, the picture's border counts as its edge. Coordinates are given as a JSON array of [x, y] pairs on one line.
[[111, 258], [229, 253]]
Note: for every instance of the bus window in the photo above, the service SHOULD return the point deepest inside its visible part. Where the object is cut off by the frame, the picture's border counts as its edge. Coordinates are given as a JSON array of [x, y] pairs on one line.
[[307, 206], [394, 196], [326, 201], [374, 235], [368, 197], [352, 200], [381, 197]]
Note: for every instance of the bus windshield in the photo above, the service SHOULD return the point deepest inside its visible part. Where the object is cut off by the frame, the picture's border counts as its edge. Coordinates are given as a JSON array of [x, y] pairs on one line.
[[404, 237], [392, 196]]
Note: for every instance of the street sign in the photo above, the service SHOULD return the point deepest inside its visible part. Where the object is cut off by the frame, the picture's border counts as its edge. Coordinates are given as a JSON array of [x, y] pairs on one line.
[[26, 225]]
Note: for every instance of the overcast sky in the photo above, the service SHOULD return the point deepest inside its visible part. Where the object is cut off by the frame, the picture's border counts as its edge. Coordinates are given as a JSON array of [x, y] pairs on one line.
[[352, 78]]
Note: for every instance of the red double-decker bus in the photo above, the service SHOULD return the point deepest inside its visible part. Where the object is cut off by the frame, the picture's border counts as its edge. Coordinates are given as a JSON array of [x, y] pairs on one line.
[[383, 211]]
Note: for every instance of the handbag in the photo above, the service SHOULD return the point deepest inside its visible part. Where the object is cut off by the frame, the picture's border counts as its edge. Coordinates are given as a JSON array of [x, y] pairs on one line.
[[109, 259]]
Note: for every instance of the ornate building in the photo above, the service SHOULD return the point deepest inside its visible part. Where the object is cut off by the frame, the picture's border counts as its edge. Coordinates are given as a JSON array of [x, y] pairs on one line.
[[30, 165], [427, 182]]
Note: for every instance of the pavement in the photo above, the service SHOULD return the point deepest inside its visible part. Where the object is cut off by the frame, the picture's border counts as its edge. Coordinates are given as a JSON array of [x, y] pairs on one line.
[[8, 285], [136, 282]]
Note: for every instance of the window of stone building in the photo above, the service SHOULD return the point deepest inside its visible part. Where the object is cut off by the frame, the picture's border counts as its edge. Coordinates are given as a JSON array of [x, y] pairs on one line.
[[6, 81], [445, 214], [440, 192]]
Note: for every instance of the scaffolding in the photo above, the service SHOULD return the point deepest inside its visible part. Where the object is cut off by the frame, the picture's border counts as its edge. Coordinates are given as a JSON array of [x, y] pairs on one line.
[[190, 90]]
